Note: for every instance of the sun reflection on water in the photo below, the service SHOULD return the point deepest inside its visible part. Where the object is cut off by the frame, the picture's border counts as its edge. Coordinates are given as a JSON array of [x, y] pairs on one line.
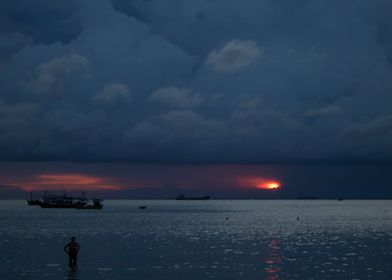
[[273, 261]]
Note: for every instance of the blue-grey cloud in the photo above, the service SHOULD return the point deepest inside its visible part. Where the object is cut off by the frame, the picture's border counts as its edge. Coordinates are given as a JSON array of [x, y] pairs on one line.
[[204, 81], [181, 98], [25, 23], [113, 93], [52, 77], [234, 55]]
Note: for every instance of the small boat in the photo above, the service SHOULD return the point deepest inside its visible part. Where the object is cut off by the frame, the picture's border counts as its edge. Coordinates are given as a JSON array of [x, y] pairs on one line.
[[183, 197], [142, 207]]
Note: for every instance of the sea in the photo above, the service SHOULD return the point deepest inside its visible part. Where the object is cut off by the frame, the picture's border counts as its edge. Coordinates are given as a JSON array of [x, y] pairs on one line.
[[215, 239]]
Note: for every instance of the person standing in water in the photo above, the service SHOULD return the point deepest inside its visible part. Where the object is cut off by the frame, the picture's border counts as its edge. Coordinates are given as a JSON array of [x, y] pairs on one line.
[[72, 249]]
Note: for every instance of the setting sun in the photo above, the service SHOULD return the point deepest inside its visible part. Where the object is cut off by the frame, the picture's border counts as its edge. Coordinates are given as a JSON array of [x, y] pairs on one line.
[[269, 186], [260, 183]]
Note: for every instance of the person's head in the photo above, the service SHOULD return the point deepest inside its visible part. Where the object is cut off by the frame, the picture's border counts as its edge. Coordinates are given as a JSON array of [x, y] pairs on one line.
[[73, 239]]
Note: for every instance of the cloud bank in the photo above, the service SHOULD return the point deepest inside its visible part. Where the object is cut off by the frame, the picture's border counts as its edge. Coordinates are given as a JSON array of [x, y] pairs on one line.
[[196, 82]]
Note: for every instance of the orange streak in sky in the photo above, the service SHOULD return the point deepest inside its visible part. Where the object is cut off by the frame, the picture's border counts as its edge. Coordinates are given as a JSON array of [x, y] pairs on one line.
[[70, 182], [69, 179]]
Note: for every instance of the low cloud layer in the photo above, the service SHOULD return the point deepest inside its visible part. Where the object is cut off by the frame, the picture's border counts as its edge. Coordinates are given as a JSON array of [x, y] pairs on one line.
[[196, 82]]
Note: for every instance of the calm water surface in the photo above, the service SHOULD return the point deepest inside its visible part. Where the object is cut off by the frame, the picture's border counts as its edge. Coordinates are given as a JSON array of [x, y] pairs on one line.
[[223, 239]]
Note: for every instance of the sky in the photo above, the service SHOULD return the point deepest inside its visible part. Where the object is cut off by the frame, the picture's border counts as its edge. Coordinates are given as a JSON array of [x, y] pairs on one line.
[[148, 98]]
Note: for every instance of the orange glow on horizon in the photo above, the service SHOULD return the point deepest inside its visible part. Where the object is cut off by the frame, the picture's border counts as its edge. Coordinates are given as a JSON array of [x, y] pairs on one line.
[[260, 183], [68, 182], [68, 179]]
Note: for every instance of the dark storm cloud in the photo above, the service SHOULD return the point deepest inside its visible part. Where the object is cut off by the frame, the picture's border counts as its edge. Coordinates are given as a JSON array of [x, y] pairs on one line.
[[196, 81], [27, 22]]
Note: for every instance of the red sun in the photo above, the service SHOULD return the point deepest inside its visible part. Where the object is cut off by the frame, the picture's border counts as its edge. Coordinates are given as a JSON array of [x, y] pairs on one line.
[[269, 185], [261, 183]]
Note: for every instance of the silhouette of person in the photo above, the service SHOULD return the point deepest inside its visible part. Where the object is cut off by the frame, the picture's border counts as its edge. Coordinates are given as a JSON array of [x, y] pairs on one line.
[[72, 249]]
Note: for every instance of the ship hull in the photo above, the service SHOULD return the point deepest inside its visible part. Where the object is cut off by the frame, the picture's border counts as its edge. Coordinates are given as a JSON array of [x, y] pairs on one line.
[[46, 205], [33, 202], [193, 198], [89, 207]]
